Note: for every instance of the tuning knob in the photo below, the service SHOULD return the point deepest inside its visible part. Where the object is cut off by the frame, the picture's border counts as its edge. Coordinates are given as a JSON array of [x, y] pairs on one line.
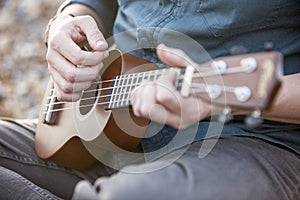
[[254, 120], [268, 46], [226, 116]]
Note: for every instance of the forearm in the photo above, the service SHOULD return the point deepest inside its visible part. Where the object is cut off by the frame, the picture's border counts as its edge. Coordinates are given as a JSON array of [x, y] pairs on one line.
[[286, 105]]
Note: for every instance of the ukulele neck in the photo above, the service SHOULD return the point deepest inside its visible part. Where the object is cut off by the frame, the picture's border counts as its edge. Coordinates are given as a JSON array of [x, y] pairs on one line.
[[122, 86]]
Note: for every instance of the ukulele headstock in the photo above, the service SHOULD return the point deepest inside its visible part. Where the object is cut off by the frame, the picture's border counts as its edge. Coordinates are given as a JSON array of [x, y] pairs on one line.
[[246, 81]]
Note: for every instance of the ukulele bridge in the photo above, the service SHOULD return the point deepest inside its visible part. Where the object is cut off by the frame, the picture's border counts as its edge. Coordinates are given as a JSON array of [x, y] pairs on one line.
[[49, 110]]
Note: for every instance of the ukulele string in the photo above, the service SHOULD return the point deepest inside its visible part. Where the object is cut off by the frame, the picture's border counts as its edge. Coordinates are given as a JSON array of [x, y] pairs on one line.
[[204, 74], [180, 77], [195, 89]]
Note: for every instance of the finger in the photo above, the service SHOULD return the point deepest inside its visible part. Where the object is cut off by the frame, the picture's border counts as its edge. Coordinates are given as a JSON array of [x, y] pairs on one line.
[[65, 46], [70, 72], [160, 114], [61, 96], [173, 57], [66, 86], [142, 99], [166, 93], [94, 36]]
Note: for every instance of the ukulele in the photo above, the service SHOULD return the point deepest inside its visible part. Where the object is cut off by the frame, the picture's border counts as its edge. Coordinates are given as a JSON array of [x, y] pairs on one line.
[[103, 115]]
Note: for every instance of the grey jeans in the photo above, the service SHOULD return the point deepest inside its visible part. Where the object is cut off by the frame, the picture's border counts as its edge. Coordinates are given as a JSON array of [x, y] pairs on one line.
[[236, 168]]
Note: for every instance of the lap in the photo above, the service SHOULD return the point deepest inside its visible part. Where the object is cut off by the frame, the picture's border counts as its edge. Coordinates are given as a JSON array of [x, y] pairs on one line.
[[236, 168], [17, 154]]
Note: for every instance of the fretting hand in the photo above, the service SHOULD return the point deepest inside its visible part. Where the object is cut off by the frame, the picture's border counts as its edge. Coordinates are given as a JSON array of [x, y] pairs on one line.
[[160, 102]]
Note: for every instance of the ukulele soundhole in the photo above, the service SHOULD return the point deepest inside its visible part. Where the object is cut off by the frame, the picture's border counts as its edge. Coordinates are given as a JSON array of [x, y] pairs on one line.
[[88, 98]]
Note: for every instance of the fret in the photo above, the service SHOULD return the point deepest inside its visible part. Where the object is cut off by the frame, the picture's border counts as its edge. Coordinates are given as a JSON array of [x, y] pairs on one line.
[[124, 91], [134, 80], [140, 78], [150, 74], [114, 91], [130, 88], [119, 91]]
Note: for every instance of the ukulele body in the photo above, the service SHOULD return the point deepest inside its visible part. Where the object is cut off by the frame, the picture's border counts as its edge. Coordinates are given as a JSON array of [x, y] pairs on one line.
[[88, 122]]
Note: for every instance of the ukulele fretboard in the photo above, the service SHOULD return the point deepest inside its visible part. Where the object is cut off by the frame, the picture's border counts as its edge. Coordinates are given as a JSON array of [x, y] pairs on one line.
[[121, 87]]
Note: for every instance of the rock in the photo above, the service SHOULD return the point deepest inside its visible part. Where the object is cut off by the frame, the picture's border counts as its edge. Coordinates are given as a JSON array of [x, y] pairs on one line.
[[23, 68]]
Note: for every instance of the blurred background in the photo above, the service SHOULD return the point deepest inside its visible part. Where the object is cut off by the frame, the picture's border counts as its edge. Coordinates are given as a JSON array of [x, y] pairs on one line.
[[23, 69]]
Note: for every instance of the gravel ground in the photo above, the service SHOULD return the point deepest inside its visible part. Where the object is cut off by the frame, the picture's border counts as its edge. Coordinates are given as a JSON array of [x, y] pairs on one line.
[[23, 69]]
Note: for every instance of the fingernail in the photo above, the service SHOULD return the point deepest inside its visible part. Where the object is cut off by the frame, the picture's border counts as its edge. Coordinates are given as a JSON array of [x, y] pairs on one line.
[[101, 43], [161, 45]]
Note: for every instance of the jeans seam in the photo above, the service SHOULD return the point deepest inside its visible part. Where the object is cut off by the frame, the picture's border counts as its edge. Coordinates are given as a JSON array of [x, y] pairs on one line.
[[39, 163], [35, 188], [28, 160]]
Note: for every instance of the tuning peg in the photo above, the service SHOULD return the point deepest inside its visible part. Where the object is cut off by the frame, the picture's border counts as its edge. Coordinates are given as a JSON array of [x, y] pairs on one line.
[[254, 120], [226, 116], [269, 46]]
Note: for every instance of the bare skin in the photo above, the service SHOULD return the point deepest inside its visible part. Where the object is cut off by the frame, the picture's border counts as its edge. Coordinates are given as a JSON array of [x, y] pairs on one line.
[[72, 68]]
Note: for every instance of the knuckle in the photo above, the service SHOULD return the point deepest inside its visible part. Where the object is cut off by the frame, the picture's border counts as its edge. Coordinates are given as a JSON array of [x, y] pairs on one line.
[[50, 58], [66, 87], [71, 76], [162, 98], [87, 18], [144, 111], [139, 112], [76, 58], [60, 96], [136, 112], [54, 41]]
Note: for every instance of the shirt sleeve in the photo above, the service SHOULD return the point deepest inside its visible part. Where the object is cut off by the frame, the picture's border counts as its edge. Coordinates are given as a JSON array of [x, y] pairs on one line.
[[106, 10]]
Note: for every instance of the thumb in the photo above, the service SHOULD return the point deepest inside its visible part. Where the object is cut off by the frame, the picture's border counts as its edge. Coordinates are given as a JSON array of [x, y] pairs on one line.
[[173, 57], [93, 35]]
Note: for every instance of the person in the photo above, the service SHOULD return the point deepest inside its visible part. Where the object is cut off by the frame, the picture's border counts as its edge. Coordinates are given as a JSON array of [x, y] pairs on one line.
[[239, 163]]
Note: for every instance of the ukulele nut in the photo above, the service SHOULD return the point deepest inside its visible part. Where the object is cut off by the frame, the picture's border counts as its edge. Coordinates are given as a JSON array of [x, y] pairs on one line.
[[187, 81]]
